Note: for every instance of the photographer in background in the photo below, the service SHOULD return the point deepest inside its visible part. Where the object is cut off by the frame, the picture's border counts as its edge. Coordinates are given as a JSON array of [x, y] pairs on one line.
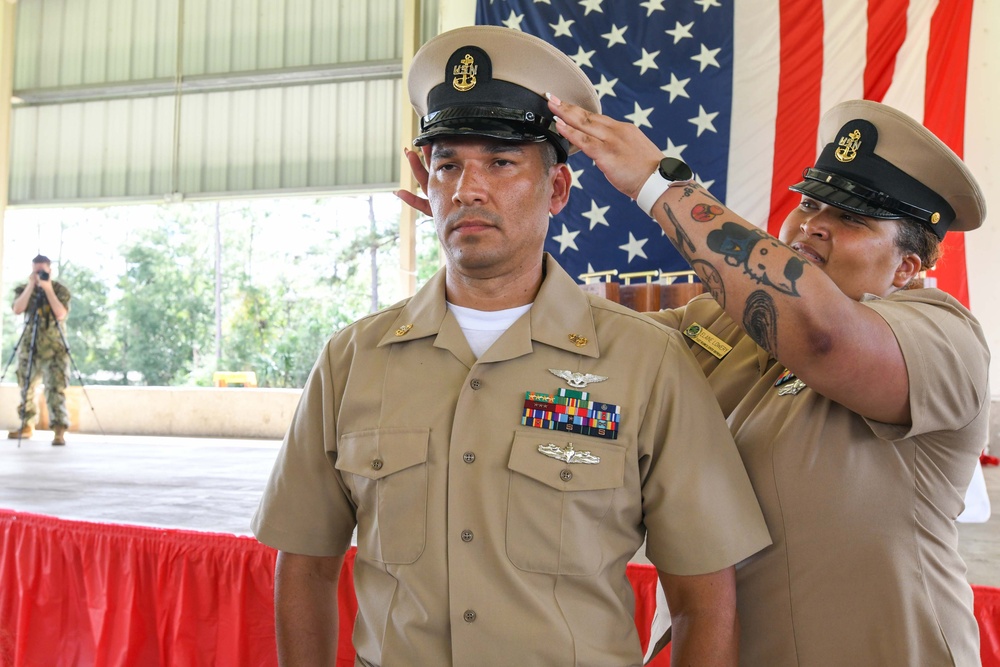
[[51, 358]]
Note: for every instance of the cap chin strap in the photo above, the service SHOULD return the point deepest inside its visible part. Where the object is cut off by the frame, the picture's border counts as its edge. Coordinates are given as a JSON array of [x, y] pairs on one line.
[[462, 113], [874, 197], [501, 123]]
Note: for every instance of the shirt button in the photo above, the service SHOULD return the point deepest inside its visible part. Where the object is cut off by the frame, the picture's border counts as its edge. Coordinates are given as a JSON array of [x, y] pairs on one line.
[[565, 475], [377, 464], [469, 616], [466, 535], [469, 457], [475, 383]]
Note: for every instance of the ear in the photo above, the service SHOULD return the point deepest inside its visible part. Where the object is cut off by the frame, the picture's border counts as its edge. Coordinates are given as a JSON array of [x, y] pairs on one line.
[[907, 269], [562, 181]]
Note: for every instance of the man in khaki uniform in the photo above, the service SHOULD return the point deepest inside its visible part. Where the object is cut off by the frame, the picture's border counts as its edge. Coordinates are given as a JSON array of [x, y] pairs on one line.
[[45, 305], [859, 405], [503, 442]]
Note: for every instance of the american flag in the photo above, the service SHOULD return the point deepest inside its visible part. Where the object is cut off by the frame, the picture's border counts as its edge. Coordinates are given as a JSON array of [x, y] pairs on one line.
[[736, 90]]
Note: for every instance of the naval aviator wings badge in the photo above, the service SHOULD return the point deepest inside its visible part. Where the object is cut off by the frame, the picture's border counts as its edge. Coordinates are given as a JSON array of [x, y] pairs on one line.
[[577, 380]]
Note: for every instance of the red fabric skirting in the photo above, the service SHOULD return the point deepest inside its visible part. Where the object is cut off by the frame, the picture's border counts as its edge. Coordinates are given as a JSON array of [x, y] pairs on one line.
[[987, 608], [76, 594]]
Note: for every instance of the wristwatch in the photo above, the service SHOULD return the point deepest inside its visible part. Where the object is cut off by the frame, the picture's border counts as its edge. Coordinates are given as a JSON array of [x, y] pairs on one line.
[[669, 170]]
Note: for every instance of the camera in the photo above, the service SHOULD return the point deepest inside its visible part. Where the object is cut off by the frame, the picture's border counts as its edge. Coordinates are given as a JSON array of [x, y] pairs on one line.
[[44, 275]]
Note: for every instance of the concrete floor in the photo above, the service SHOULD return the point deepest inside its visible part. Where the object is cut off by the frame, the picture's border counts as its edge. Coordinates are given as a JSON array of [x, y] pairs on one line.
[[980, 542], [213, 485], [200, 484]]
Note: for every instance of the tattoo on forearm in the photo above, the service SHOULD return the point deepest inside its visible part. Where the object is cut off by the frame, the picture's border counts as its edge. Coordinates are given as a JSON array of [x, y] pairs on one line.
[[712, 279], [706, 212], [760, 256], [710, 195], [694, 187], [760, 321], [682, 241]]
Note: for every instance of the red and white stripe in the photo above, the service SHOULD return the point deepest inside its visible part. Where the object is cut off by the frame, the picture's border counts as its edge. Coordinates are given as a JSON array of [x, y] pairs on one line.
[[794, 59]]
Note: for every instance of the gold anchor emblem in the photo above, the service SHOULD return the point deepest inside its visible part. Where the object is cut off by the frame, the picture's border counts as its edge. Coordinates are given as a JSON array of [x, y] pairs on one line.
[[465, 74], [849, 146]]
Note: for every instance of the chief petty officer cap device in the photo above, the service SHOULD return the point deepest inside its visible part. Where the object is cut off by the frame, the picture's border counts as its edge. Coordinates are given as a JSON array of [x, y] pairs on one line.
[[881, 163], [490, 81]]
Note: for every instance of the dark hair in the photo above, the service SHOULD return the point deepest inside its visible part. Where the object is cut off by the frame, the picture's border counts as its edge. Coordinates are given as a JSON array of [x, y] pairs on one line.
[[550, 156], [41, 259], [912, 236]]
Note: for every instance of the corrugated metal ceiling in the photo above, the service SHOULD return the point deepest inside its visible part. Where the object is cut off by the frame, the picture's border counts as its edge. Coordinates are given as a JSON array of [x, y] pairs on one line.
[[265, 97]]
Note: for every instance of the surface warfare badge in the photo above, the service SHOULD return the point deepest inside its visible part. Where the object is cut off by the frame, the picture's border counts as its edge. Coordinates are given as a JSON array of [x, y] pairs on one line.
[[571, 411], [788, 384], [568, 454]]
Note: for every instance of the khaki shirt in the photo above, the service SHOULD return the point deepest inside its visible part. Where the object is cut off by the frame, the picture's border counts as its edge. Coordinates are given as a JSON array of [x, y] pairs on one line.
[[473, 547], [864, 569]]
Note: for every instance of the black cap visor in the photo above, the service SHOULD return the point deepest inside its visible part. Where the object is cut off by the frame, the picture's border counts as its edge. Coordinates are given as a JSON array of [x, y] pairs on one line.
[[850, 195], [500, 123]]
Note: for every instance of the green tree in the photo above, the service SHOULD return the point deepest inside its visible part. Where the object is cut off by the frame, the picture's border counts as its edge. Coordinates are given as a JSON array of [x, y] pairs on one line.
[[165, 312], [92, 344], [282, 306], [290, 273]]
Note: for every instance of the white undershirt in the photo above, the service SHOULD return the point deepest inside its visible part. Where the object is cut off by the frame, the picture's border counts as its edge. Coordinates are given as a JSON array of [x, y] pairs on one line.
[[483, 327]]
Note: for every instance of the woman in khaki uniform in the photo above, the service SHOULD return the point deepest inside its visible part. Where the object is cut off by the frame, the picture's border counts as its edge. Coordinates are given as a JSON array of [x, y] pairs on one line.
[[859, 406]]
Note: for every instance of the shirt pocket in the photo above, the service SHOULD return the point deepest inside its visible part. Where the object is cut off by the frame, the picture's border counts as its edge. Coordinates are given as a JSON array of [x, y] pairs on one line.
[[555, 509], [387, 473]]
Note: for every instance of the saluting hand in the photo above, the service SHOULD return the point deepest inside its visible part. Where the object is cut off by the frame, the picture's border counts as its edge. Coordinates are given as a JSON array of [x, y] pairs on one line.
[[420, 173], [620, 150]]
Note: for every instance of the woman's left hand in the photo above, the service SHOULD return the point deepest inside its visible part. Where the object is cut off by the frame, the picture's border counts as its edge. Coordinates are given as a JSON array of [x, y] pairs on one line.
[[420, 173], [620, 150]]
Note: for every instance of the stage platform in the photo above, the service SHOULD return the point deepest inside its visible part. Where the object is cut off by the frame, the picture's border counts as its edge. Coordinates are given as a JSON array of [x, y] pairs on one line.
[[213, 485], [202, 484]]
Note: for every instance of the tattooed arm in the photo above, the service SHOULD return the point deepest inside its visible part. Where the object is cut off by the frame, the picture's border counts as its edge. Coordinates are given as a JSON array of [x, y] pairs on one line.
[[840, 348]]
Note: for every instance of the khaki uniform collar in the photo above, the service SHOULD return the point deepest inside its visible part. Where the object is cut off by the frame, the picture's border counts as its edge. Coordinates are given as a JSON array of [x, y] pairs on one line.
[[560, 317]]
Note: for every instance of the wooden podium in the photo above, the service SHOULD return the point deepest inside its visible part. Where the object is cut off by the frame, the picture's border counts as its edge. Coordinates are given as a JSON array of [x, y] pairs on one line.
[[671, 289], [592, 284], [644, 297]]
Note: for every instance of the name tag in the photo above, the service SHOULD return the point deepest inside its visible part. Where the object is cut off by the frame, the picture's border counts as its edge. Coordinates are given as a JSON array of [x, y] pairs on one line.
[[702, 336]]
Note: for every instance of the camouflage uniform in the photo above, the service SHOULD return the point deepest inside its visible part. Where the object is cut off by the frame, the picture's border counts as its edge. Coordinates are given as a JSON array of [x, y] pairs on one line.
[[51, 364]]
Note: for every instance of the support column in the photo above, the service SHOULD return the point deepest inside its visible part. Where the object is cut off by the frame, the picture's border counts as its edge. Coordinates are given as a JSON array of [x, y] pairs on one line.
[[8, 14], [412, 30]]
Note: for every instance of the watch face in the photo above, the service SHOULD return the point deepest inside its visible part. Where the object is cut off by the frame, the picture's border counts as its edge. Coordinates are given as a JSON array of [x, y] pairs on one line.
[[673, 169]]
